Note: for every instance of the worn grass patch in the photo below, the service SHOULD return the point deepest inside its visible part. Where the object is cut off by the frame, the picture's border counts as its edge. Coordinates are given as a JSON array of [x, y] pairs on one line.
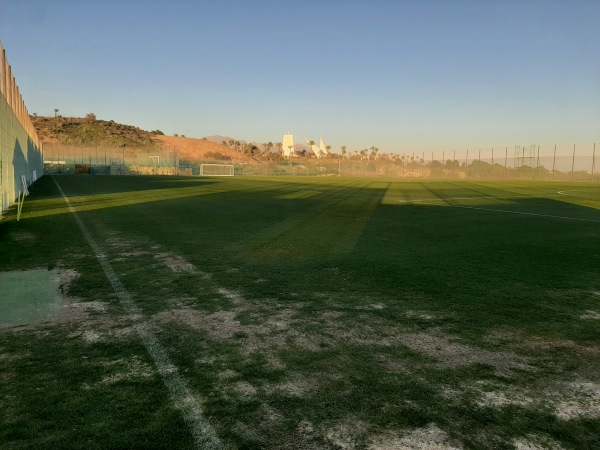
[[362, 316]]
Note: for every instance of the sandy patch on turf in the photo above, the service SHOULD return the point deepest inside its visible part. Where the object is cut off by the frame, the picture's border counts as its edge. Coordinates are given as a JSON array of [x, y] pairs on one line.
[[227, 374], [269, 333], [220, 325], [427, 438], [296, 386], [590, 315], [235, 297], [135, 254], [175, 262], [116, 241], [346, 435], [536, 442], [419, 315], [518, 339], [90, 336], [242, 389], [127, 369], [578, 400], [450, 353], [67, 277], [446, 350], [566, 400], [90, 306]]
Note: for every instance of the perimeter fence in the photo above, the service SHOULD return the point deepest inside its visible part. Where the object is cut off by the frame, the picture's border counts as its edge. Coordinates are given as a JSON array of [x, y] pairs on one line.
[[532, 162], [21, 159]]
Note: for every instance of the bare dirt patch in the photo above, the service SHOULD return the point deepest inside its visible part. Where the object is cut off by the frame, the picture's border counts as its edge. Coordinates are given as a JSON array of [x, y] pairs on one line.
[[419, 315], [127, 369], [536, 442], [346, 435], [175, 262], [567, 400], [227, 374], [296, 386], [445, 349], [135, 254], [454, 354], [590, 315], [89, 306], [272, 333], [578, 400], [243, 389], [428, 438]]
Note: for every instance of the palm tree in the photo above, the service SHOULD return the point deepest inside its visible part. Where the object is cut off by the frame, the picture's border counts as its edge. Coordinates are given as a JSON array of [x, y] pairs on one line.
[[374, 151], [343, 150]]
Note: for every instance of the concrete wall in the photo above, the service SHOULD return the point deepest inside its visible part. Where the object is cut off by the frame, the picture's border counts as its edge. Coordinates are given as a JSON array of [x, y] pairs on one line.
[[20, 147]]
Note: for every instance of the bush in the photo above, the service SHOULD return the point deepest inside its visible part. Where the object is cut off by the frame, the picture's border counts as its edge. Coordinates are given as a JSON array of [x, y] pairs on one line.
[[217, 156]]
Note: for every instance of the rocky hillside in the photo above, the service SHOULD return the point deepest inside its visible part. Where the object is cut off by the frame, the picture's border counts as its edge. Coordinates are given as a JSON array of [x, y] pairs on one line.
[[88, 132]]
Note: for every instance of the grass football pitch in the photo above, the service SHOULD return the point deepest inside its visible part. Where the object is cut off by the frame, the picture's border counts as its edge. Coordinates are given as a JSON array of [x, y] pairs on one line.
[[301, 313]]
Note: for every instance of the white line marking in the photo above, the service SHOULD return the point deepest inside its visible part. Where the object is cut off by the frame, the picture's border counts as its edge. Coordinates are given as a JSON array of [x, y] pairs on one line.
[[204, 435], [504, 211]]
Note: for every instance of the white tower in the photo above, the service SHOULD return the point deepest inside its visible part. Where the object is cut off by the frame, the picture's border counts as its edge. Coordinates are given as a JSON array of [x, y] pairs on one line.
[[288, 145]]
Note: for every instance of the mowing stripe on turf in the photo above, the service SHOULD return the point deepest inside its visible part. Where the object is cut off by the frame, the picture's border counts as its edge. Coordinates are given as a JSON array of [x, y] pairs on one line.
[[204, 435]]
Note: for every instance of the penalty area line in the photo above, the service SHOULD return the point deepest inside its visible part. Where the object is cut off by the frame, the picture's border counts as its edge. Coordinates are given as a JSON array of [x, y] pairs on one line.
[[203, 433]]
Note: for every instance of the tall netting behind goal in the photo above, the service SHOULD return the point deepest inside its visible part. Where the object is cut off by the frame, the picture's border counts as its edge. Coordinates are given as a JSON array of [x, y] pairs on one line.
[[217, 170]]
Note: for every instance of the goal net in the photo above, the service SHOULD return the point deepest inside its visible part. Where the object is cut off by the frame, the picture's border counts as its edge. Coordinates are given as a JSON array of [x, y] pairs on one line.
[[217, 170]]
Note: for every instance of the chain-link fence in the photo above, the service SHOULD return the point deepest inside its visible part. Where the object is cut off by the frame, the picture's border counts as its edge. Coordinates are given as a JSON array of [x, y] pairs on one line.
[[531, 162]]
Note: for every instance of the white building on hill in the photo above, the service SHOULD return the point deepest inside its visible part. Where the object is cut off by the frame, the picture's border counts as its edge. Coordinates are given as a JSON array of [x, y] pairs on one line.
[[287, 145], [319, 150]]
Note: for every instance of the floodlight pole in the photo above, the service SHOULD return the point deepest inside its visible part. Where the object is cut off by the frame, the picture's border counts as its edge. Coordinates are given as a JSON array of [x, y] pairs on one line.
[[573, 163], [453, 161], [593, 161], [554, 163], [537, 165]]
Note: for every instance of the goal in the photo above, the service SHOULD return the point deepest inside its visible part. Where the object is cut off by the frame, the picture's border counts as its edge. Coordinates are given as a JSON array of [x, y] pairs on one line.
[[217, 170]]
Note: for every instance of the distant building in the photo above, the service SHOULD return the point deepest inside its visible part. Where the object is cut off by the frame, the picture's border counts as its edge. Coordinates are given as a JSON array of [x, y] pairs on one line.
[[287, 145], [319, 150]]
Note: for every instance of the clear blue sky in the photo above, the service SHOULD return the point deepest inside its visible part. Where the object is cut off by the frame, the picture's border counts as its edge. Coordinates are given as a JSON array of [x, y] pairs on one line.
[[400, 75]]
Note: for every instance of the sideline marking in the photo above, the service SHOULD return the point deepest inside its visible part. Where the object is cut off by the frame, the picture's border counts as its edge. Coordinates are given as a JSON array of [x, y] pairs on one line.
[[204, 435], [503, 211], [526, 213]]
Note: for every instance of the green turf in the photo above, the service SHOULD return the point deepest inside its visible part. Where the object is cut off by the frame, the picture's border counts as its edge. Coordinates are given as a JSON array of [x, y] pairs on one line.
[[30, 296], [311, 313]]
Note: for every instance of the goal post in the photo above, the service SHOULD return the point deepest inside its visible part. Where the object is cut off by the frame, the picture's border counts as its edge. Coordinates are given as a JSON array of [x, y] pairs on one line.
[[217, 170]]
